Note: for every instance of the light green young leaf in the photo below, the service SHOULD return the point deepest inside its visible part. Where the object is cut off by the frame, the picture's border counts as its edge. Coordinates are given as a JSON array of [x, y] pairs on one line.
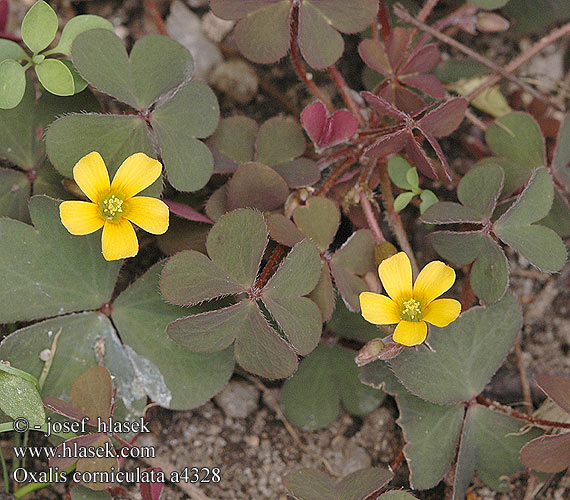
[[20, 397], [402, 200], [12, 50], [39, 26], [56, 77], [428, 199], [398, 169], [12, 83], [413, 178], [74, 27]]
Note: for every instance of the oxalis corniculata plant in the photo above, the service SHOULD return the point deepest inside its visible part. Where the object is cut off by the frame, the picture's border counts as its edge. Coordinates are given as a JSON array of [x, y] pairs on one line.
[[296, 262]]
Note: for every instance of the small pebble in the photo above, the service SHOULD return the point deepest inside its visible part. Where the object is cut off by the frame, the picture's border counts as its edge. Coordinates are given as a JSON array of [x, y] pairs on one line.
[[237, 79], [238, 399]]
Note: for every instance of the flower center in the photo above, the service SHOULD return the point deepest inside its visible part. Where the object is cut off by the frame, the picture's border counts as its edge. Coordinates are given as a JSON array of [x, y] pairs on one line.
[[112, 207], [411, 310]]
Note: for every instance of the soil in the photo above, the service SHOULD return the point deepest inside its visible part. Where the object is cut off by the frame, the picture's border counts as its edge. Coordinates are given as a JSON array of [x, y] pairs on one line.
[[255, 450]]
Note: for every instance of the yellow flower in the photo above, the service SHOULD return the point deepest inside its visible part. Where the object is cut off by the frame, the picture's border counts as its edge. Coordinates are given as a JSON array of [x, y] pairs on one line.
[[114, 205], [411, 307]]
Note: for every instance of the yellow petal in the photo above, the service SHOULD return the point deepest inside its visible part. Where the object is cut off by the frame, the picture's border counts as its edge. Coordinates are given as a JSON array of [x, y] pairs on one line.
[[148, 213], [90, 174], [80, 217], [441, 312], [136, 173], [378, 309], [434, 279], [396, 275], [410, 332], [119, 240]]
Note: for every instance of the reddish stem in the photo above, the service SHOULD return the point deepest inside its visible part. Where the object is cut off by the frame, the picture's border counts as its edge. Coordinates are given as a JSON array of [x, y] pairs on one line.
[[271, 263], [337, 172], [294, 52], [397, 461], [384, 20], [371, 218], [467, 295], [344, 90], [493, 405], [156, 17]]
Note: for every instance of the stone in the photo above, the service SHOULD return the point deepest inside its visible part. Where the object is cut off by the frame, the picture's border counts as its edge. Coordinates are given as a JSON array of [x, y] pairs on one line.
[[238, 399]]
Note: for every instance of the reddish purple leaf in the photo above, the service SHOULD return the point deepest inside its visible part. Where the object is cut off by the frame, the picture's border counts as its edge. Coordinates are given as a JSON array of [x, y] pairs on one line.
[[151, 491], [444, 119], [396, 46], [439, 152], [374, 56], [187, 212], [3, 14], [389, 144], [421, 60], [327, 131], [419, 158], [426, 83], [406, 100], [67, 410], [547, 453], [556, 388], [387, 91], [63, 460], [232, 9], [382, 106]]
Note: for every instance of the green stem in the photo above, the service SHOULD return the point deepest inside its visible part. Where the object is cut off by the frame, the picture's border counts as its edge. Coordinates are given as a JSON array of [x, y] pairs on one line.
[[31, 487], [4, 471]]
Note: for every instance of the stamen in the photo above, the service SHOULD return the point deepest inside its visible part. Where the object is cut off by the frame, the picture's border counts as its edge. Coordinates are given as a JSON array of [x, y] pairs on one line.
[[112, 207], [411, 310]]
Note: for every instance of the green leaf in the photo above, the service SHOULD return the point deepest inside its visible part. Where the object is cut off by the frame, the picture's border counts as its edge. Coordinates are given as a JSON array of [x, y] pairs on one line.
[[308, 484], [20, 398], [321, 45], [55, 76], [311, 398], [297, 275], [279, 140], [540, 245], [258, 186], [173, 377], [431, 432], [236, 243], [192, 113], [49, 271], [79, 84], [461, 248], [114, 137], [190, 278], [17, 141], [14, 194], [490, 445], [85, 339], [12, 83], [263, 36], [398, 169], [39, 26], [412, 177], [561, 161], [282, 230], [298, 173], [157, 65], [517, 136], [319, 220], [428, 199], [12, 50], [525, 21], [235, 137], [92, 393], [74, 27], [402, 201], [490, 272], [351, 325], [480, 189], [558, 219], [396, 495], [490, 4], [323, 294], [471, 349], [515, 175], [448, 212], [80, 492]]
